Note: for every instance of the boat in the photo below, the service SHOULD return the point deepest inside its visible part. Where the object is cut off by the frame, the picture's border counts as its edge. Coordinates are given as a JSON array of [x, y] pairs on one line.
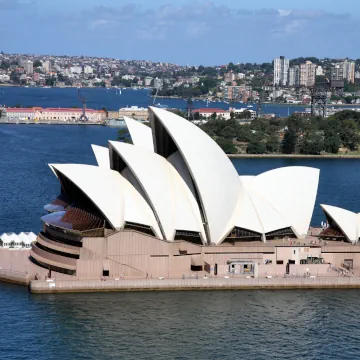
[[162, 106]]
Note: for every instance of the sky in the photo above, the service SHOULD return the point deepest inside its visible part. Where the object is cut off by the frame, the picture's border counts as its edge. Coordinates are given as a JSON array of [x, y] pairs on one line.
[[187, 32]]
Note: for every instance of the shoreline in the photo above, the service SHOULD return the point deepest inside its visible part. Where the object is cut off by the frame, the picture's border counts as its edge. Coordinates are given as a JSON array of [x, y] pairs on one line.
[[210, 284], [201, 284], [293, 156]]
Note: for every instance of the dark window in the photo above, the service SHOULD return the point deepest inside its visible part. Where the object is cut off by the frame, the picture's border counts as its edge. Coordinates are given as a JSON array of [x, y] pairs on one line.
[[190, 236], [106, 273], [56, 252], [139, 227], [242, 234], [280, 233], [51, 267], [280, 262]]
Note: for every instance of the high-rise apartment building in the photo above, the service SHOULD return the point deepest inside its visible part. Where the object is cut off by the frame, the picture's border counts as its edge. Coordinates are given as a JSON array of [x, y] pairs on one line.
[[294, 76], [307, 74], [46, 66], [29, 67], [349, 70], [337, 73], [281, 68]]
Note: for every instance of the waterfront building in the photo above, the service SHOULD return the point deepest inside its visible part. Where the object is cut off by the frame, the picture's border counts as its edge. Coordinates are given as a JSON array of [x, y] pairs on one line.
[[294, 76], [135, 112], [209, 112], [48, 115], [151, 209], [307, 74], [20, 241], [20, 114], [253, 113], [148, 81], [234, 93], [158, 83], [281, 68]]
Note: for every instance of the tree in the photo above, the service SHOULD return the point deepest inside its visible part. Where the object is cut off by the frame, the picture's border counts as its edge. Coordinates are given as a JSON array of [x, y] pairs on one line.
[[50, 81], [331, 141], [256, 147], [311, 144], [105, 110], [272, 144], [349, 134], [288, 144], [37, 63], [124, 136], [227, 145]]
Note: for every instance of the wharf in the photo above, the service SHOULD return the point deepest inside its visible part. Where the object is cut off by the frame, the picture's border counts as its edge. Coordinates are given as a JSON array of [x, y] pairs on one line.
[[27, 122], [73, 286]]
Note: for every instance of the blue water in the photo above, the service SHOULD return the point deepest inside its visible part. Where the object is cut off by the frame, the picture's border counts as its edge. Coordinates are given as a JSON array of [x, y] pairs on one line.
[[101, 97], [259, 325]]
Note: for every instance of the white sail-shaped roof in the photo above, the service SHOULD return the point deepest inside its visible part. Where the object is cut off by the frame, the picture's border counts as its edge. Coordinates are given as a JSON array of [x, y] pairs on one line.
[[164, 189], [102, 156], [277, 199], [141, 134], [292, 192], [347, 221], [215, 178], [112, 194], [255, 212]]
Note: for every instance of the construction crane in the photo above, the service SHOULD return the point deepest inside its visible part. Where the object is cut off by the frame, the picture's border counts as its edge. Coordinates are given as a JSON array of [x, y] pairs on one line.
[[83, 116]]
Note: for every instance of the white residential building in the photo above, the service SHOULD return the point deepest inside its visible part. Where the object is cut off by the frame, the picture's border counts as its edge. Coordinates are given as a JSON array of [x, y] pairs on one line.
[[46, 66], [281, 68], [294, 76], [307, 74]]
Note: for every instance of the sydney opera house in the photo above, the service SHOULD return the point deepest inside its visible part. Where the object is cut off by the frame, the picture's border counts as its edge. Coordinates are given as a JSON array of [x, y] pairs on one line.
[[172, 203]]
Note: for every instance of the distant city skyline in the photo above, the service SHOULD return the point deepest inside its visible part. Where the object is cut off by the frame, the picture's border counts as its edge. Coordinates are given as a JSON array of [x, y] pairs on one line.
[[187, 33]]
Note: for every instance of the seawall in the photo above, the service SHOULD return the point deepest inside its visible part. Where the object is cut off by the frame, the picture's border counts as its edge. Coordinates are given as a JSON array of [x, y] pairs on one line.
[[15, 277], [194, 284], [292, 156]]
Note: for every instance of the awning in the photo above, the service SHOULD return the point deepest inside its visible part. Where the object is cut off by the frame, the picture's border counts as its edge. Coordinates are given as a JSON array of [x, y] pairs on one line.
[[197, 260]]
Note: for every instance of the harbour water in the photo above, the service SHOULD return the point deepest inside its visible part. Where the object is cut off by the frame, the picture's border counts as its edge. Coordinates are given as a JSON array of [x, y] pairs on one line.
[[271, 325], [98, 98], [261, 325]]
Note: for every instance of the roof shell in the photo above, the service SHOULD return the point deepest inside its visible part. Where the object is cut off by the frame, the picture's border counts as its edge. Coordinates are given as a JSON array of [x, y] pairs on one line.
[[141, 134], [112, 194], [167, 193], [102, 156], [292, 192], [215, 177], [347, 221]]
